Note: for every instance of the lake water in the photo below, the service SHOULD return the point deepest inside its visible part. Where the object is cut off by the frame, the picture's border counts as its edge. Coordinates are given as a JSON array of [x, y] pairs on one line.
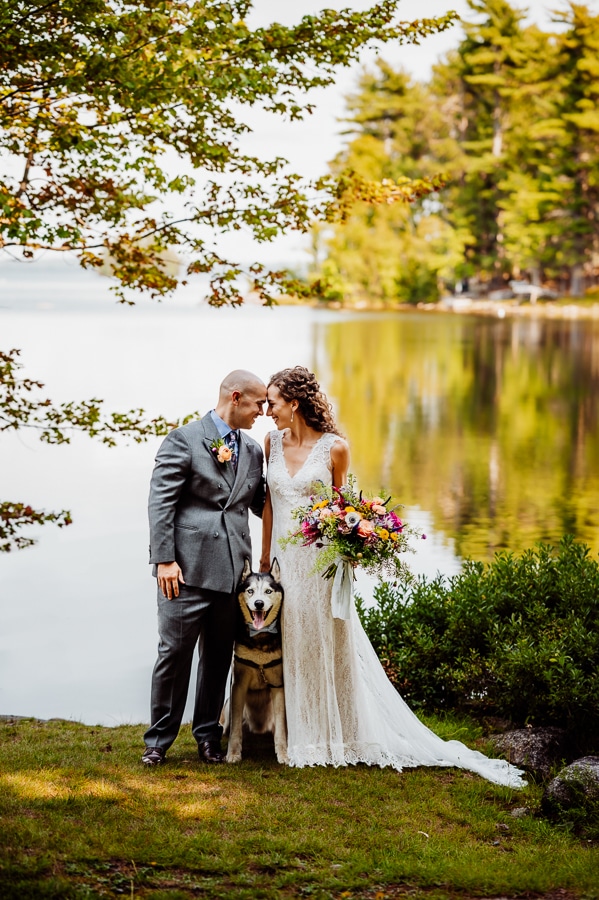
[[487, 430]]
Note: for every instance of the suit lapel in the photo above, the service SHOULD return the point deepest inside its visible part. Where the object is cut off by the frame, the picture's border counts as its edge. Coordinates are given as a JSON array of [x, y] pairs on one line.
[[243, 465]]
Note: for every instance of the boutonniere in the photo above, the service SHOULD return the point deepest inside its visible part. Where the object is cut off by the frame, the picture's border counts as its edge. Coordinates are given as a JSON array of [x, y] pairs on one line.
[[221, 451]]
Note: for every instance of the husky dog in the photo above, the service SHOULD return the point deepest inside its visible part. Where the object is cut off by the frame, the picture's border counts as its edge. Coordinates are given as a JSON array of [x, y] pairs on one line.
[[257, 696]]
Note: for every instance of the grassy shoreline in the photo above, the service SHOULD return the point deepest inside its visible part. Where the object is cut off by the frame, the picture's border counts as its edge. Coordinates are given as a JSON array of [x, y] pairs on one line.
[[82, 819]]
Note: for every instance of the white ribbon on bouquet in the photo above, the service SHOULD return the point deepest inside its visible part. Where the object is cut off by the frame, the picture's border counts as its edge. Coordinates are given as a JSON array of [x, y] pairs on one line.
[[342, 598]]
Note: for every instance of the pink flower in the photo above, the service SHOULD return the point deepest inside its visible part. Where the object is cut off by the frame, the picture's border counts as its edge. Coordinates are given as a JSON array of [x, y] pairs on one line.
[[310, 532], [365, 528], [395, 523], [326, 514], [379, 510]]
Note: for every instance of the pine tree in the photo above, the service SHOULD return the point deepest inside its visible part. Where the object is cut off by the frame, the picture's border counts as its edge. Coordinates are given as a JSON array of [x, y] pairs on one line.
[[395, 253], [577, 107], [483, 77]]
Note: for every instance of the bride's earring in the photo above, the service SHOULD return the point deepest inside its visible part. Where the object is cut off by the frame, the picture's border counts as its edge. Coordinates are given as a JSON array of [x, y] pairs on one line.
[[292, 415]]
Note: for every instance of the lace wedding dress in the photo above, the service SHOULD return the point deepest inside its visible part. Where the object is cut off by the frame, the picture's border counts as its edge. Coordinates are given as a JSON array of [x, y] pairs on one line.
[[341, 707]]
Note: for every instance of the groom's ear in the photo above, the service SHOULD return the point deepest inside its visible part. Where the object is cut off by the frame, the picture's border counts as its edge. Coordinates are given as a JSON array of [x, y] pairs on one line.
[[275, 571], [247, 569]]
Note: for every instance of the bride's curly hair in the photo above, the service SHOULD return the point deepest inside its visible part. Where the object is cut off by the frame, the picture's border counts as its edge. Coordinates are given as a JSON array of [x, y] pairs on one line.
[[298, 383]]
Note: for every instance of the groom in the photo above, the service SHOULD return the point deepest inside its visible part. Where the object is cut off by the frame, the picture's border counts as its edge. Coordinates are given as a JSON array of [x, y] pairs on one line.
[[206, 476]]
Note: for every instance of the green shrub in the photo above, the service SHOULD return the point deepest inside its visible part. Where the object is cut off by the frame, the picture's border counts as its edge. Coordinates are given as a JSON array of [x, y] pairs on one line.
[[516, 638]]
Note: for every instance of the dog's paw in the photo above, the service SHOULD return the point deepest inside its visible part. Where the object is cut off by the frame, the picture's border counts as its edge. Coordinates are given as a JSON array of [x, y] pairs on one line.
[[282, 757], [233, 756]]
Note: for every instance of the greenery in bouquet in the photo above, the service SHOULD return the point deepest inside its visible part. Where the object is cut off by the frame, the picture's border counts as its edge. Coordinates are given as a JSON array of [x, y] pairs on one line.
[[344, 524]]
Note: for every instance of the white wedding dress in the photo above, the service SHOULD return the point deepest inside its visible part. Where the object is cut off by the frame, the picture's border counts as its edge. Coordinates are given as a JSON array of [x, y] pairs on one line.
[[341, 707]]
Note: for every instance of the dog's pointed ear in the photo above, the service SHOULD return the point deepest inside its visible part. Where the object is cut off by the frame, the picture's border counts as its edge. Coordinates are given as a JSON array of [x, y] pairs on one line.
[[275, 571], [247, 569]]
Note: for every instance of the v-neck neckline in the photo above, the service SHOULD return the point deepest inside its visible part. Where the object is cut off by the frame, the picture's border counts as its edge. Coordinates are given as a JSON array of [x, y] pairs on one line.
[[312, 449]]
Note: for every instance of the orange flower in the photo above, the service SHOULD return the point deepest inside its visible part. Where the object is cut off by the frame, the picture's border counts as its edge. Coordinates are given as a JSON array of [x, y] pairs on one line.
[[365, 528], [224, 454]]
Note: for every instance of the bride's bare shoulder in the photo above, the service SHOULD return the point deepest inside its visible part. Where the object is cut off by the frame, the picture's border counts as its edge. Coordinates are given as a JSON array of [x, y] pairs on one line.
[[338, 442], [340, 450], [339, 453]]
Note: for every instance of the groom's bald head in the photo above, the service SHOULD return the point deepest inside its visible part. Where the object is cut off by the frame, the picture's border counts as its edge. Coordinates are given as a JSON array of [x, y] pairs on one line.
[[239, 380], [241, 398]]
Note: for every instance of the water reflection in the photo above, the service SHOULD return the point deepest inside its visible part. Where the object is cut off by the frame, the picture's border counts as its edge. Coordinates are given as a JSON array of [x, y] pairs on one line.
[[491, 425], [487, 431]]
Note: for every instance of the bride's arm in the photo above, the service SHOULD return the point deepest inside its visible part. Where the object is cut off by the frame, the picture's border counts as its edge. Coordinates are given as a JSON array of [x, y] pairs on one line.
[[339, 462], [266, 518], [266, 534]]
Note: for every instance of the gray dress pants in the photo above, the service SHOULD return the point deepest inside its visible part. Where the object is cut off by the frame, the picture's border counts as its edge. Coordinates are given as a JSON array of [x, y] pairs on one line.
[[201, 618]]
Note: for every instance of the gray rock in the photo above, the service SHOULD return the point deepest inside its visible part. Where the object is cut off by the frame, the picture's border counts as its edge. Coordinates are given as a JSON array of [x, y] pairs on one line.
[[575, 787], [520, 812], [534, 749]]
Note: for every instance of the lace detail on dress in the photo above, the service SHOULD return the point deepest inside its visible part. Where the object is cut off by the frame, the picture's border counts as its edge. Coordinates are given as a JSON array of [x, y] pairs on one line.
[[341, 707], [295, 489]]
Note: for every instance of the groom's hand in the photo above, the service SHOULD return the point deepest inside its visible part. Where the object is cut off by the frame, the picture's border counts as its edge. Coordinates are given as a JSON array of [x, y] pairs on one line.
[[169, 576]]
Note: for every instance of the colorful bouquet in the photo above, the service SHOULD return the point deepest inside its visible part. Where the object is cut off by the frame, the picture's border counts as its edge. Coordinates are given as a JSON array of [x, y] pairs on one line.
[[348, 527]]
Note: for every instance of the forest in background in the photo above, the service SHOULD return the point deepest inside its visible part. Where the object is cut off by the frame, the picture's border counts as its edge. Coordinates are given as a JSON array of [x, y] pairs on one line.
[[511, 119]]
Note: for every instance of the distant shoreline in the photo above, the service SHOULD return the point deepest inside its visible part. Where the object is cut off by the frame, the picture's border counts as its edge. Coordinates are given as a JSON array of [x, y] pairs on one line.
[[546, 309]]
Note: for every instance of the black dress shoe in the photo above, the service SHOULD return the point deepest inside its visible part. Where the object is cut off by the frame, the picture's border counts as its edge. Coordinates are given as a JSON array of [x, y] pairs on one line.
[[210, 752], [153, 756]]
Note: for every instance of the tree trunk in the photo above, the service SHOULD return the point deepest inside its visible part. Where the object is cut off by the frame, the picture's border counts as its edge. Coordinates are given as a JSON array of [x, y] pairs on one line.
[[576, 281], [535, 274], [497, 121]]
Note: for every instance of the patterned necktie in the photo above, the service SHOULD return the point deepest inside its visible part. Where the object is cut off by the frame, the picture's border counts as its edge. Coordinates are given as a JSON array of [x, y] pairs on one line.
[[231, 441]]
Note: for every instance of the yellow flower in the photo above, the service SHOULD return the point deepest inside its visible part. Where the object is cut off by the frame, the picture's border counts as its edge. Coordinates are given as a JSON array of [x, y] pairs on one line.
[[394, 536], [383, 534], [350, 509]]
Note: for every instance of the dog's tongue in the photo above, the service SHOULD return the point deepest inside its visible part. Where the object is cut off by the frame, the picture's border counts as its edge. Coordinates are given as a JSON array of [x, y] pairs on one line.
[[258, 619]]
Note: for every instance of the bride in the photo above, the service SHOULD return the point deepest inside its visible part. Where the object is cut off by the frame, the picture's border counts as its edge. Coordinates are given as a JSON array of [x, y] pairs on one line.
[[341, 708]]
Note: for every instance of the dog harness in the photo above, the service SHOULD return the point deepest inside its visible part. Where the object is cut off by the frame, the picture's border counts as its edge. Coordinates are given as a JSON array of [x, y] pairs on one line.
[[261, 668]]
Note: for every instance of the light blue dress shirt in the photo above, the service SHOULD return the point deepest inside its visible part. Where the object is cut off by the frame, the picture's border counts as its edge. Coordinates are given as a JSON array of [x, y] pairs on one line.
[[224, 431], [221, 426]]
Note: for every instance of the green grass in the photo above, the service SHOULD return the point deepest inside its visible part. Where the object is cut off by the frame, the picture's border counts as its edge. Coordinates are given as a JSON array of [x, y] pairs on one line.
[[81, 818]]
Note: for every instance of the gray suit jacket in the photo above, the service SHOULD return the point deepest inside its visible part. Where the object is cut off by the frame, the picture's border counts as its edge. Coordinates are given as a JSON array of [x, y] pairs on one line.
[[198, 507]]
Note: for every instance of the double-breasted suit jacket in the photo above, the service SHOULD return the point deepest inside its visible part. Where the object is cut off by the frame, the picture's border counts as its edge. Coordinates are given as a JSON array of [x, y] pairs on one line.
[[198, 507]]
